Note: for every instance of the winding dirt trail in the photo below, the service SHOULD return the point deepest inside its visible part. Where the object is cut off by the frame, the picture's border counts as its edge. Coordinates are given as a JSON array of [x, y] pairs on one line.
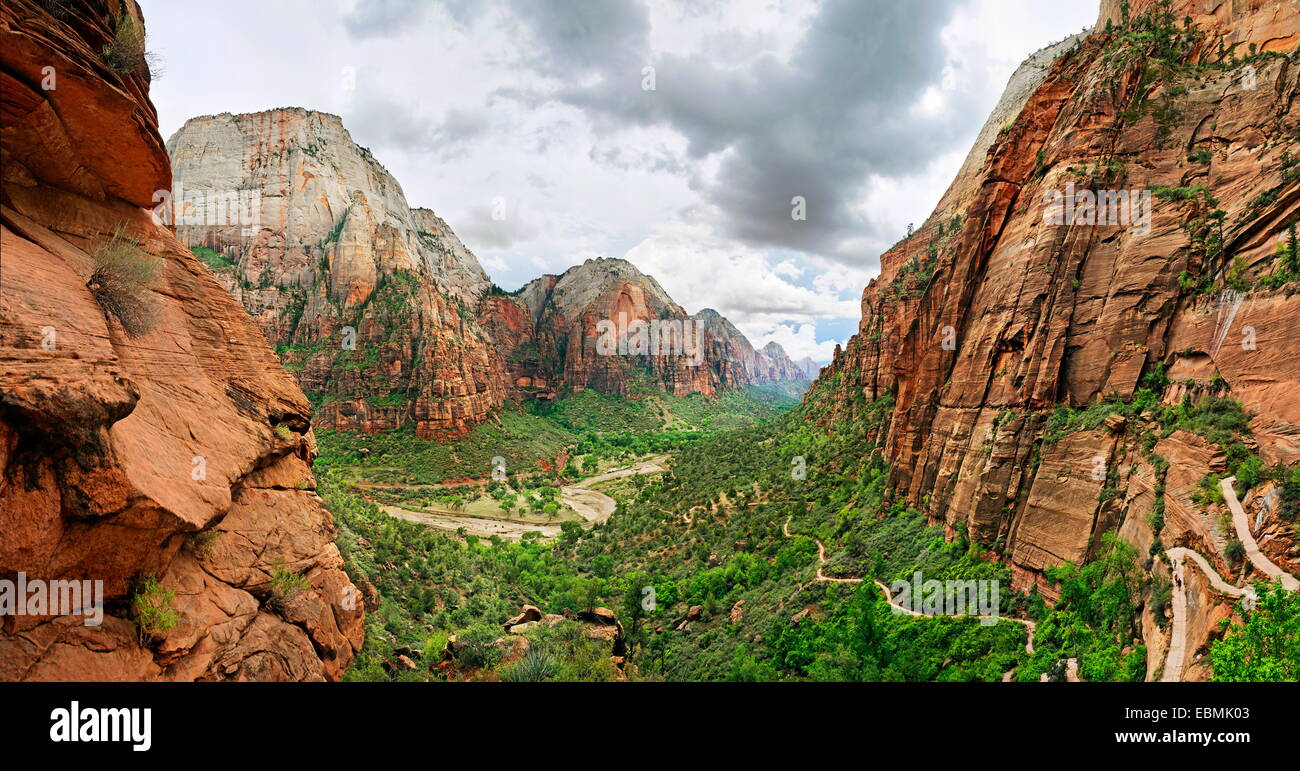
[[889, 598], [1176, 657], [592, 505]]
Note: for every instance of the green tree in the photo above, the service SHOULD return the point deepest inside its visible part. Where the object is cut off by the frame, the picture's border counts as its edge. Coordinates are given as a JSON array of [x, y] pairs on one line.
[[1266, 647]]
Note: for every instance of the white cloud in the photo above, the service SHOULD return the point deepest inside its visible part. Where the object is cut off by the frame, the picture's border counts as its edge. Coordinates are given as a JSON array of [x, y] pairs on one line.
[[456, 99]]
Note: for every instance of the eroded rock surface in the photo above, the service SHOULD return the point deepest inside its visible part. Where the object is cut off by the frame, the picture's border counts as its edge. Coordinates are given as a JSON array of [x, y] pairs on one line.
[[370, 302], [181, 453], [990, 317]]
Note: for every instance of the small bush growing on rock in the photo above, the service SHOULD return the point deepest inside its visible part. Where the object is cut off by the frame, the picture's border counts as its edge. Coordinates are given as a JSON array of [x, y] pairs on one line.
[[474, 647], [1290, 493], [282, 432], [122, 281], [1235, 551], [285, 586], [152, 606], [1208, 492], [125, 53], [203, 542]]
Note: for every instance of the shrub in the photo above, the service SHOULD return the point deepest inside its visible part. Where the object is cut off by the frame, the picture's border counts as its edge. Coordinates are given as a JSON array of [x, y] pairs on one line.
[[125, 54], [1249, 474], [152, 607], [1235, 551], [1236, 278], [534, 667], [203, 542], [1207, 491], [122, 281], [475, 647], [1290, 484], [285, 586]]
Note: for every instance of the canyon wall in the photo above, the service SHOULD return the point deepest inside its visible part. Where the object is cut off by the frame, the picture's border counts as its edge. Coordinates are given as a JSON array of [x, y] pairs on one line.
[[770, 364], [316, 239], [370, 302], [994, 314], [149, 438], [564, 346]]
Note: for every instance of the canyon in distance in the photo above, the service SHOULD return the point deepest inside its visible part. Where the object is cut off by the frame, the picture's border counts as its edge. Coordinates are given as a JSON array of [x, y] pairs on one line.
[[272, 422]]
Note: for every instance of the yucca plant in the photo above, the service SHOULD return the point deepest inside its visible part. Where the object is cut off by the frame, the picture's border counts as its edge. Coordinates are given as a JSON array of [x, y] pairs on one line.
[[534, 667]]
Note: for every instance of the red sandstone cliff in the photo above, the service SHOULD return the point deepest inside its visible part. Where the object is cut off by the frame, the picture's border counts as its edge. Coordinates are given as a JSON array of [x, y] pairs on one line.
[[180, 450], [562, 349], [744, 364], [988, 317]]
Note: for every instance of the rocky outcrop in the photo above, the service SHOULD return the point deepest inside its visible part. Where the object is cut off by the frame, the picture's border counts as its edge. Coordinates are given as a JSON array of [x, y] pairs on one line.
[[992, 315], [606, 325], [740, 361], [371, 303], [774, 365], [168, 459]]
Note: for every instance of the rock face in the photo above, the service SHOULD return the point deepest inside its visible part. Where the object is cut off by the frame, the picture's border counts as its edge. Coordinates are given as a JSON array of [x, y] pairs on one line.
[[584, 333], [992, 314], [372, 303], [570, 311], [180, 452], [771, 364], [317, 241]]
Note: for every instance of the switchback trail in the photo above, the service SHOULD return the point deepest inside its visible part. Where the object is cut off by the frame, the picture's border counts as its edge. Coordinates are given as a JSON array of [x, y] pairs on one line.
[[889, 598], [1176, 657]]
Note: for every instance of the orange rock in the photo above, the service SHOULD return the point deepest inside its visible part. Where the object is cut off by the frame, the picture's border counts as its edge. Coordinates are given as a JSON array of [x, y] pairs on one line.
[[117, 448], [1019, 315]]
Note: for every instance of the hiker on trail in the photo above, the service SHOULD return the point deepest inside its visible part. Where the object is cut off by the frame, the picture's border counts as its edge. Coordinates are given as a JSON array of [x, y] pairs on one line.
[[1178, 581]]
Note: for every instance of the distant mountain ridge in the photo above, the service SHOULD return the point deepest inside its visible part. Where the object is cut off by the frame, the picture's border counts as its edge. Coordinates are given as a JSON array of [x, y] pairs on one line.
[[388, 319]]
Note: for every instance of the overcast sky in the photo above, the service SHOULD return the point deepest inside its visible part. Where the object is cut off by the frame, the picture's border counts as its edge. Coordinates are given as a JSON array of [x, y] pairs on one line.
[[865, 108]]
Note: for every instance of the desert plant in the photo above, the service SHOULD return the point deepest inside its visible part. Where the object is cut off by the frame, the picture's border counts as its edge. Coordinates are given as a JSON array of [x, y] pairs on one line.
[[534, 667], [122, 280], [282, 432], [203, 542], [125, 53], [152, 606], [475, 647], [285, 586]]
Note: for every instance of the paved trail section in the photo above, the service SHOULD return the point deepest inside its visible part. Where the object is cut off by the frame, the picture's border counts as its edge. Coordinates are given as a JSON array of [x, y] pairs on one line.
[[1176, 658], [1257, 558], [593, 506]]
